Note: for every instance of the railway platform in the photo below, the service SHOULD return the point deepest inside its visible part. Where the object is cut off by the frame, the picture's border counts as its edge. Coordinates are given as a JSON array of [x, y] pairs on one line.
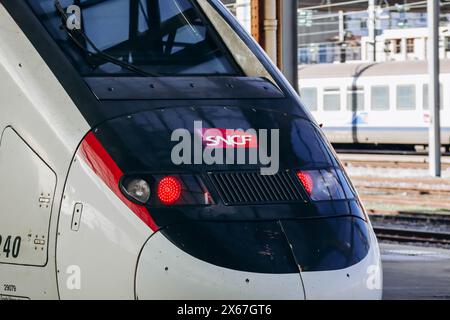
[[415, 272]]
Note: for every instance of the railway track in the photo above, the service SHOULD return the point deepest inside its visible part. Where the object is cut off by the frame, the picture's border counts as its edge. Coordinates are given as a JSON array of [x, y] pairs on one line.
[[388, 152], [402, 191], [417, 218], [408, 227], [406, 201], [391, 164], [425, 190], [389, 160], [398, 181], [382, 149], [412, 236]]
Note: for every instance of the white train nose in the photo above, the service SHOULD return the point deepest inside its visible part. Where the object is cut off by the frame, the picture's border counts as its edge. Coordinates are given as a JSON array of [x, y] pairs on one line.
[[166, 272], [362, 281]]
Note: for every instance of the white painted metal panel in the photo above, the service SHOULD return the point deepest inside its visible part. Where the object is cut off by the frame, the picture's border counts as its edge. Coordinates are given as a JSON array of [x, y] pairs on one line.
[[36, 105], [363, 281], [96, 259], [166, 272], [27, 187]]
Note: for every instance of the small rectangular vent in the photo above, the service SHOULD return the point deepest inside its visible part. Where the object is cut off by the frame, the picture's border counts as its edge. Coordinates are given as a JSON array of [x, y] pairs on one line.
[[238, 188]]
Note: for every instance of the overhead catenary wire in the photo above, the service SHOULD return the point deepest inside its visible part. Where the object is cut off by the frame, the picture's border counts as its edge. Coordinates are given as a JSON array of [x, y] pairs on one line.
[[363, 13], [346, 3], [412, 5], [325, 6]]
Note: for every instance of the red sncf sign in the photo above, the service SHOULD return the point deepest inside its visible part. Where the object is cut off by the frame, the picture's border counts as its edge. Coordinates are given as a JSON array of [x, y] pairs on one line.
[[228, 138]]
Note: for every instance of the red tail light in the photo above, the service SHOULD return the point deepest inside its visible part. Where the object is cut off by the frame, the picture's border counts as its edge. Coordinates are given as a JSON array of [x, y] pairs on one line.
[[306, 180], [156, 190], [169, 190], [326, 184]]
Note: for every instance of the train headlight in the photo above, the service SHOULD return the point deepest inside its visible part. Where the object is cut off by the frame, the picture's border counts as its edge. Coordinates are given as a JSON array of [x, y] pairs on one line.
[[137, 189]]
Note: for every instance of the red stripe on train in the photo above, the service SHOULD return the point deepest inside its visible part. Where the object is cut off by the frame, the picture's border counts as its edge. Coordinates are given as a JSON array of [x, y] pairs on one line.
[[98, 159]]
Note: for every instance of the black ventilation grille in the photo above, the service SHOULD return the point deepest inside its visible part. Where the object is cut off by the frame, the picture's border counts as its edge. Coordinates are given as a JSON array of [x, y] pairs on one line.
[[253, 188]]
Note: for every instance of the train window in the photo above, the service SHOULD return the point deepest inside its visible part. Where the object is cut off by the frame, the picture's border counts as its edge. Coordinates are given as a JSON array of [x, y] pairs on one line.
[[406, 97], [398, 46], [410, 45], [309, 98], [331, 99], [425, 97], [447, 44], [151, 37], [355, 98], [380, 98]]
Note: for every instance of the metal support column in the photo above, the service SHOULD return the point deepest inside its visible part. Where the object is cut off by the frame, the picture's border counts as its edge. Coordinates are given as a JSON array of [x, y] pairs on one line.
[[342, 44], [289, 41], [371, 26], [433, 88], [271, 29]]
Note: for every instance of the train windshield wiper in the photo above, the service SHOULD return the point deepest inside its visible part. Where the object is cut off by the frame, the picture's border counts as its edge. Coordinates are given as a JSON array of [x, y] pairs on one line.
[[98, 53]]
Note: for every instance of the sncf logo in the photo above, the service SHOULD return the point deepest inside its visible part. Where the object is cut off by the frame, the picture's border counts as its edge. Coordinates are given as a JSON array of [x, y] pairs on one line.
[[209, 146], [228, 138]]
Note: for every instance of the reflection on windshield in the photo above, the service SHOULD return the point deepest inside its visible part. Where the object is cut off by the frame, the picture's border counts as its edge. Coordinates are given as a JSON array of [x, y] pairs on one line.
[[168, 37]]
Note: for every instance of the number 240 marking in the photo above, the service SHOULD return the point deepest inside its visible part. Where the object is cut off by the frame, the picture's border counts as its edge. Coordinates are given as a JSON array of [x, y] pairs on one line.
[[10, 247]]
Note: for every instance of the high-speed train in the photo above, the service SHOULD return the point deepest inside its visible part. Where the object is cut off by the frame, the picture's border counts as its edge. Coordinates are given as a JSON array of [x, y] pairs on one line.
[[375, 103], [116, 117]]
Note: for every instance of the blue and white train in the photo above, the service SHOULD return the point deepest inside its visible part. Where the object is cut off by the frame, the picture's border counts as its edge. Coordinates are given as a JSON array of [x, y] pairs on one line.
[[375, 103]]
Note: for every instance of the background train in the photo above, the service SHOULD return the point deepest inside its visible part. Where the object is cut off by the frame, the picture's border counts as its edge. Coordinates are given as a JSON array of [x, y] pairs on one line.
[[375, 103]]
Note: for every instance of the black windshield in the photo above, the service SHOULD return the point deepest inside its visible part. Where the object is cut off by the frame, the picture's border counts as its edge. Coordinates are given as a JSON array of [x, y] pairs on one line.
[[165, 37]]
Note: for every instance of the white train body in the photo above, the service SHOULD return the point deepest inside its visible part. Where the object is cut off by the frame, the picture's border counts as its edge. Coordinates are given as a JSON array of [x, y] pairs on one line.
[[394, 108]]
